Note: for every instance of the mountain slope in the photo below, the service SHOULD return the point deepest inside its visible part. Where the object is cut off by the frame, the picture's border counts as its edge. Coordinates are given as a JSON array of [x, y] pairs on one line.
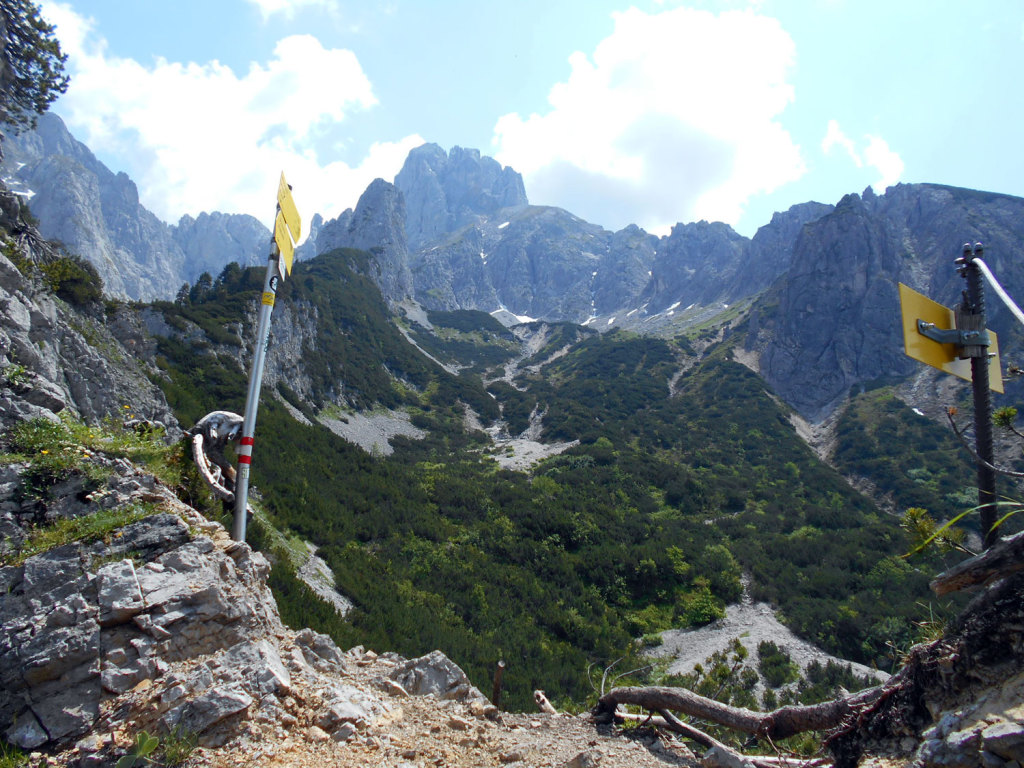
[[646, 523]]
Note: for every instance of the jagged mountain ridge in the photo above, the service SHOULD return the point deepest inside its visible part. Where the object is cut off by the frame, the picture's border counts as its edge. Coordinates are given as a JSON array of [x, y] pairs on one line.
[[832, 322], [443, 209], [456, 231], [96, 214], [471, 240]]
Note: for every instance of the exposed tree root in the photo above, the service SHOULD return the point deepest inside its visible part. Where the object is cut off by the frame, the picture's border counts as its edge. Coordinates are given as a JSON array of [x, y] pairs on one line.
[[985, 648], [778, 724]]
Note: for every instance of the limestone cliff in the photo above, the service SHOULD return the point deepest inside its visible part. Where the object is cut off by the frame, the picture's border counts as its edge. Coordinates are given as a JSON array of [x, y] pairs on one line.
[[831, 323], [53, 357], [95, 213]]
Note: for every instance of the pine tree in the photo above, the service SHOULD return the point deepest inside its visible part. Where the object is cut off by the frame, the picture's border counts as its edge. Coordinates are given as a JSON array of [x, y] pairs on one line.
[[31, 64]]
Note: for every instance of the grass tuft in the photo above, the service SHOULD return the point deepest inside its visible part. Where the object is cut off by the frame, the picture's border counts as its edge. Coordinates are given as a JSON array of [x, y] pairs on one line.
[[100, 526]]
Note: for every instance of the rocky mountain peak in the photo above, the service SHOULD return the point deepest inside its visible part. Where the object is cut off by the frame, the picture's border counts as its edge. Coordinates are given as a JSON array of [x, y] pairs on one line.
[[833, 326], [376, 225], [445, 191], [694, 264], [97, 215]]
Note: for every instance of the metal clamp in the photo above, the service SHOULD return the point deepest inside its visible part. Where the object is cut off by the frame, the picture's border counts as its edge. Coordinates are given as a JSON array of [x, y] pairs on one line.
[[955, 336]]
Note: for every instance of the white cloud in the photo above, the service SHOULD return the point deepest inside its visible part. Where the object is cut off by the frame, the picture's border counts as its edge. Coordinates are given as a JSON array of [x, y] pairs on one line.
[[205, 138], [875, 154], [834, 137], [288, 7], [878, 155], [674, 117]]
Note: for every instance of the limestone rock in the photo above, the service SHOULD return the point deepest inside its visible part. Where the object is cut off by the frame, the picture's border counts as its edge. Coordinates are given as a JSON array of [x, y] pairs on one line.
[[444, 191], [1005, 739], [827, 328], [435, 674], [47, 365]]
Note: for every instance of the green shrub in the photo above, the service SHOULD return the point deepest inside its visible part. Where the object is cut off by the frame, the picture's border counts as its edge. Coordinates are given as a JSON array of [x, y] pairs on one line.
[[73, 279], [775, 666]]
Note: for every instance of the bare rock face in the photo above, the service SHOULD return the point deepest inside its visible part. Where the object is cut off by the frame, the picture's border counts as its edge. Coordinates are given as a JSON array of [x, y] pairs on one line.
[[97, 215], [377, 225], [210, 241], [167, 603], [446, 191], [832, 323], [694, 264], [47, 364]]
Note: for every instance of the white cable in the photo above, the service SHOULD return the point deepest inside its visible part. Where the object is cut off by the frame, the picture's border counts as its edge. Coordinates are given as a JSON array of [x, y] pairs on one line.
[[999, 290]]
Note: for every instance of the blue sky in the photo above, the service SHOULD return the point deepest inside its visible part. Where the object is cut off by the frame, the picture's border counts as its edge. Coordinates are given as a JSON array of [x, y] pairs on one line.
[[652, 113]]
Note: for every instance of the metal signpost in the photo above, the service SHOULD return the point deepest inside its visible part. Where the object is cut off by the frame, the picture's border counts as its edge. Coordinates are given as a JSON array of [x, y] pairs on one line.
[[944, 339], [287, 230]]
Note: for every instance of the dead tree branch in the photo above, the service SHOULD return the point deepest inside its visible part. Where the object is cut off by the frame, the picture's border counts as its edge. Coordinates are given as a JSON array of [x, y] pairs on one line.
[[778, 724], [974, 454], [207, 472], [1002, 559]]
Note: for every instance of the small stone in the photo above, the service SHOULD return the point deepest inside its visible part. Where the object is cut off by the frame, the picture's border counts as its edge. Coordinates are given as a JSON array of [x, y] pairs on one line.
[[587, 759], [724, 758], [394, 689], [459, 724], [409, 754], [91, 743], [1006, 740], [316, 733], [344, 732], [515, 756]]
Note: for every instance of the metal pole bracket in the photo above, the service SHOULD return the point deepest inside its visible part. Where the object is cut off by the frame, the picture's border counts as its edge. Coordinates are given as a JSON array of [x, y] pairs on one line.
[[955, 336]]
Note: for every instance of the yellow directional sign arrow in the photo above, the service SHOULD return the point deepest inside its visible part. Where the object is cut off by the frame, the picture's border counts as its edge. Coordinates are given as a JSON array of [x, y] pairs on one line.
[[914, 307], [284, 244], [287, 206]]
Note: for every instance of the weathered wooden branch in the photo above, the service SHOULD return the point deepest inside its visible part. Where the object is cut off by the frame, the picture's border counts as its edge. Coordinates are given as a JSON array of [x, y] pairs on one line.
[[718, 754], [543, 704], [207, 473], [212, 475], [778, 724], [1002, 559], [693, 734]]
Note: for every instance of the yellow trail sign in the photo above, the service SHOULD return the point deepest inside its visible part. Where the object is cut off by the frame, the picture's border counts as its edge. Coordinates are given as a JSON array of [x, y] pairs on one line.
[[287, 226], [287, 206], [284, 243], [914, 307]]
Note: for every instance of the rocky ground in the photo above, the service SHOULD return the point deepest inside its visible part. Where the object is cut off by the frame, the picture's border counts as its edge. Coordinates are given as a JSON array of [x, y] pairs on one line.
[[420, 731]]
